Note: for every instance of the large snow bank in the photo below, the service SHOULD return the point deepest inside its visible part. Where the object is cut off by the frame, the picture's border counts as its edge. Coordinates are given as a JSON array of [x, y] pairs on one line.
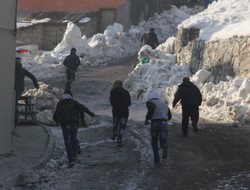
[[114, 44], [221, 20], [227, 101]]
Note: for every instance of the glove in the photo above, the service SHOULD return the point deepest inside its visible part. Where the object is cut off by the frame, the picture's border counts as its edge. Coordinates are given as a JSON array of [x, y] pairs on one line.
[[92, 114], [146, 122]]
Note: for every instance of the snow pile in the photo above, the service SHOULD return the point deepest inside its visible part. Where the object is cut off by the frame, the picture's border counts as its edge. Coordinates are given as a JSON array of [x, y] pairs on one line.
[[159, 73], [221, 17], [226, 101], [45, 100], [51, 68], [114, 44]]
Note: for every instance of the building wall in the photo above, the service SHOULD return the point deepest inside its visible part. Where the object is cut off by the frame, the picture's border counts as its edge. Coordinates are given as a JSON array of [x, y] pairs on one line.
[[122, 15], [7, 72], [107, 17], [31, 35], [132, 12], [67, 5], [48, 35], [144, 9]]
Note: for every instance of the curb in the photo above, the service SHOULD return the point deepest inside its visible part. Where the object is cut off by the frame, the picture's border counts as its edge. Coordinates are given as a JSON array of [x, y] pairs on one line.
[[46, 154]]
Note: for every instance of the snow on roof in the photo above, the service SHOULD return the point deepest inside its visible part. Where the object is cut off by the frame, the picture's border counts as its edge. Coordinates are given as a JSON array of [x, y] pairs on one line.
[[221, 20], [32, 18], [32, 22]]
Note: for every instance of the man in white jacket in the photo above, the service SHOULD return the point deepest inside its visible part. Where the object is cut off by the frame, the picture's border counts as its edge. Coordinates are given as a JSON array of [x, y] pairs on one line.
[[158, 115]]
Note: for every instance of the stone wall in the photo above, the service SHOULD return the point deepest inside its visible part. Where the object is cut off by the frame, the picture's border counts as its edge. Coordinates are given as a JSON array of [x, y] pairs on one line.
[[229, 57]]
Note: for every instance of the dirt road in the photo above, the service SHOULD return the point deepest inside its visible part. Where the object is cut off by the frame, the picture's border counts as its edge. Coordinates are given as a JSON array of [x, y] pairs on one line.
[[217, 157]]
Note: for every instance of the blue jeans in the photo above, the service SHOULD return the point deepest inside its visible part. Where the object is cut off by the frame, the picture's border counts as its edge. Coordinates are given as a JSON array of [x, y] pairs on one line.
[[119, 124], [158, 131], [69, 136]]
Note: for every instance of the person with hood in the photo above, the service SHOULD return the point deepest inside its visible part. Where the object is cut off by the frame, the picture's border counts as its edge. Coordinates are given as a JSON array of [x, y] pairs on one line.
[[67, 115], [158, 115], [20, 74], [120, 101], [71, 62], [150, 38], [190, 96]]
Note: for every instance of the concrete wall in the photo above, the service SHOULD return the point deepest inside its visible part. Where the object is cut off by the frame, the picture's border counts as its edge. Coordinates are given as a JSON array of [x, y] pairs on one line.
[[132, 12], [107, 17], [7, 70], [48, 35], [31, 35], [122, 15], [229, 57]]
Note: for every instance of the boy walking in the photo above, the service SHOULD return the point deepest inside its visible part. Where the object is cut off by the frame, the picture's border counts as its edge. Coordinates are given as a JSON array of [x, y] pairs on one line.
[[158, 115], [67, 114]]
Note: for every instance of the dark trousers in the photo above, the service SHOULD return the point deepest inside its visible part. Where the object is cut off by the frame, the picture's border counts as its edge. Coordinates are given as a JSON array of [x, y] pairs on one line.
[[119, 124], [70, 141], [159, 132], [18, 95], [70, 78], [190, 111]]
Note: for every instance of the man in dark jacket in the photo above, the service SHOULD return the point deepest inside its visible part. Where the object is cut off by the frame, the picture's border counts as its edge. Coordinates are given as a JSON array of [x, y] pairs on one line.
[[150, 38], [20, 74], [120, 101], [158, 114], [191, 98], [71, 62], [67, 114]]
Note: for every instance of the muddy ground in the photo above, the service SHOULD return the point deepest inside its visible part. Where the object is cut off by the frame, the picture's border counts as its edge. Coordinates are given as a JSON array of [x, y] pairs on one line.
[[217, 157]]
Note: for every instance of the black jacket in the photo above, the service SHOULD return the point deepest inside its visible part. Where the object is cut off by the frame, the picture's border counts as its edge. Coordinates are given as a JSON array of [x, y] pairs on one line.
[[150, 38], [189, 94], [20, 74], [68, 111], [120, 101], [71, 61]]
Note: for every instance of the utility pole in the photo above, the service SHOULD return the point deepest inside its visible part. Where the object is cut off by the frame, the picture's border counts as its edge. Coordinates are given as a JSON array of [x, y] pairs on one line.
[[7, 72]]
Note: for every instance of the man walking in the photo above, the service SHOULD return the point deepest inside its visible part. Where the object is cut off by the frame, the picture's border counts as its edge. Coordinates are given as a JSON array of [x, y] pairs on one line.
[[190, 96], [20, 74], [158, 114], [120, 101], [67, 114], [150, 38], [71, 62]]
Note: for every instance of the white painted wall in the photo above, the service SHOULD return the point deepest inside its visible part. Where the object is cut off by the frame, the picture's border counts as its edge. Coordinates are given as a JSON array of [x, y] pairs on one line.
[[7, 72]]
